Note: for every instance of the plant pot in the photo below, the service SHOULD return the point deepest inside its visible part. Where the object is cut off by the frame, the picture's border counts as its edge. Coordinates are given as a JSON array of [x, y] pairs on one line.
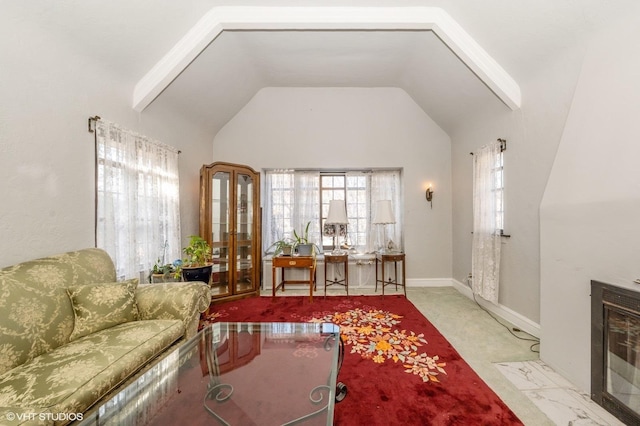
[[163, 278], [304, 249], [286, 251], [197, 273]]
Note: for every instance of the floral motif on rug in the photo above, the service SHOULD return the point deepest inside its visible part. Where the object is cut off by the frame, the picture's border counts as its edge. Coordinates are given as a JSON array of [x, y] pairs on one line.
[[374, 334], [370, 332]]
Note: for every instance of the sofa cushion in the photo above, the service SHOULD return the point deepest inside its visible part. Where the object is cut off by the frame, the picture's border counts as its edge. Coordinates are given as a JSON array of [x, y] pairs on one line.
[[73, 377], [100, 306], [36, 311], [32, 322]]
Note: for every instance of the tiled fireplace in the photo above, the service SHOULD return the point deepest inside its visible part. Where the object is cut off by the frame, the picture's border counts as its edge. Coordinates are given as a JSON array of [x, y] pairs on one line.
[[615, 350]]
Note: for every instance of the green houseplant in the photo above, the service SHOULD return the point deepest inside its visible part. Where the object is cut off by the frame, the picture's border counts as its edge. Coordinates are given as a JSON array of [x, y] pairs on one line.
[[196, 265], [301, 242], [284, 246], [163, 272]]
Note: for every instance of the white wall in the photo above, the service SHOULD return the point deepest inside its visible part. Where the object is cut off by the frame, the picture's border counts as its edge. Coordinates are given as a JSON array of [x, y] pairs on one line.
[[533, 134], [590, 214], [354, 128], [46, 153]]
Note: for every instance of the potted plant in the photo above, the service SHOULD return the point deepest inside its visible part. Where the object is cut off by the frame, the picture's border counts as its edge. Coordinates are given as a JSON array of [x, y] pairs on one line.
[[301, 242], [163, 272], [197, 266], [284, 246]]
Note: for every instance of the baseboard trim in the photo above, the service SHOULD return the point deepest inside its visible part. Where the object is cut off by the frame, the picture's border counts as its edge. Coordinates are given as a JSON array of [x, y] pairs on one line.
[[429, 282], [523, 323]]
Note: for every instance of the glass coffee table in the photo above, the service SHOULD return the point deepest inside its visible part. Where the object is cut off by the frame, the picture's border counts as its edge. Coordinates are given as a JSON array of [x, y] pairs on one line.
[[236, 374]]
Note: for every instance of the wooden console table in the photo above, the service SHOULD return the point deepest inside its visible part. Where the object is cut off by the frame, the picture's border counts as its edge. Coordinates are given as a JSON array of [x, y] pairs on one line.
[[301, 262], [336, 260], [382, 258]]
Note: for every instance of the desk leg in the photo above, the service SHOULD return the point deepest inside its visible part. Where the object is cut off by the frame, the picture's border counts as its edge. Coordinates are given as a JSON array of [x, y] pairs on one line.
[[395, 273], [273, 281], [311, 274], [404, 279], [383, 276], [346, 276], [325, 278]]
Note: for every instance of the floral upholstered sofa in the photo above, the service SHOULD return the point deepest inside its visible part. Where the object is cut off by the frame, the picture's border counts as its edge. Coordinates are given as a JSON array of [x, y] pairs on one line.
[[70, 334]]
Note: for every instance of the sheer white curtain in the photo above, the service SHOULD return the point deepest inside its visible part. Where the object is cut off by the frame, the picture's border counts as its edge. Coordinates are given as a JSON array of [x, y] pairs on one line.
[[277, 210], [307, 201], [485, 258], [291, 200], [138, 203], [359, 204], [386, 185]]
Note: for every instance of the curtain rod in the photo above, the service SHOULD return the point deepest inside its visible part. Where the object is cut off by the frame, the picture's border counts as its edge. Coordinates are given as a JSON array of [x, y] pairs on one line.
[[91, 123], [503, 145]]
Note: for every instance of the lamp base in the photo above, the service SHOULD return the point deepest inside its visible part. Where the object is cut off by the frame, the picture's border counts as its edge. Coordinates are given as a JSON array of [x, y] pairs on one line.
[[337, 250], [388, 247]]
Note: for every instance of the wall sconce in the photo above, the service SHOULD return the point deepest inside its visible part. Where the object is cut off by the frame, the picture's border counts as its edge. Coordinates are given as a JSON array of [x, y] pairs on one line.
[[429, 194]]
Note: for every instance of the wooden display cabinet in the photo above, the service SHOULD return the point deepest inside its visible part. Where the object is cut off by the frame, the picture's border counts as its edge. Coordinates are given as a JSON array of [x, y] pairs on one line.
[[230, 222]]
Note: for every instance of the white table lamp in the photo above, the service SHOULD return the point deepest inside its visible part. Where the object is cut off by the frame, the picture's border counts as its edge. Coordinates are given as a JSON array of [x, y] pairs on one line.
[[384, 216], [337, 216]]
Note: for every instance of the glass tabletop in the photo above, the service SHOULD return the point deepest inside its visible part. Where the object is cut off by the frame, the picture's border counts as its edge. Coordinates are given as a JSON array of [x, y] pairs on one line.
[[236, 374]]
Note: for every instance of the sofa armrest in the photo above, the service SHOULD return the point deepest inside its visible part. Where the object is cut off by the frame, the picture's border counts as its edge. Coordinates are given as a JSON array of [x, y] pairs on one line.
[[183, 301]]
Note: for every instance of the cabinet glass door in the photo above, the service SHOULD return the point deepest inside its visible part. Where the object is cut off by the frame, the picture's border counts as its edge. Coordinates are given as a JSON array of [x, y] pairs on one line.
[[244, 236], [230, 222], [220, 232]]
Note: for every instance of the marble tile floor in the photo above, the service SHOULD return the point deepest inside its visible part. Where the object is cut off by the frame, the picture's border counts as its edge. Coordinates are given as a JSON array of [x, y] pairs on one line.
[[535, 393], [554, 395]]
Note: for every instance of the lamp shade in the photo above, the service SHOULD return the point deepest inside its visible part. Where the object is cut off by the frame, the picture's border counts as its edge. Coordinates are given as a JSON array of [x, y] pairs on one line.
[[337, 213], [384, 214]]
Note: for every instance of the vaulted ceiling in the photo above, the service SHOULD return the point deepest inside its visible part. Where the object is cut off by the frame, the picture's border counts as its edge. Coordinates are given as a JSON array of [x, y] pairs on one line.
[[232, 69], [233, 52], [220, 63]]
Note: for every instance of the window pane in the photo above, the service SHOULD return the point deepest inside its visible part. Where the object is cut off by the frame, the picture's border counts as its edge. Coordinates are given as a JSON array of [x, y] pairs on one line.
[[499, 185], [332, 181], [332, 189], [283, 211]]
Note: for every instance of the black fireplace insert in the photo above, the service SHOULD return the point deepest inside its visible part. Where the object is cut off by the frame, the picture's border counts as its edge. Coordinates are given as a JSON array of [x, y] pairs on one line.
[[615, 350]]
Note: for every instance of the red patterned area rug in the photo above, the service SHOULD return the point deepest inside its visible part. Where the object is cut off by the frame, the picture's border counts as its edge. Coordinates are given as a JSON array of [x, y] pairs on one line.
[[399, 370]]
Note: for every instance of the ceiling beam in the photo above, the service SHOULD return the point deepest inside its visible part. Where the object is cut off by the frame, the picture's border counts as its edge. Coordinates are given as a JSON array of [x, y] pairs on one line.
[[218, 19]]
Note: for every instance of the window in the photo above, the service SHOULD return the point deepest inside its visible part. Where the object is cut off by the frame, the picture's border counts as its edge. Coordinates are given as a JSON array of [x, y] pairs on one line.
[[294, 198], [332, 187], [488, 219], [138, 204], [489, 184], [499, 190], [351, 187]]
